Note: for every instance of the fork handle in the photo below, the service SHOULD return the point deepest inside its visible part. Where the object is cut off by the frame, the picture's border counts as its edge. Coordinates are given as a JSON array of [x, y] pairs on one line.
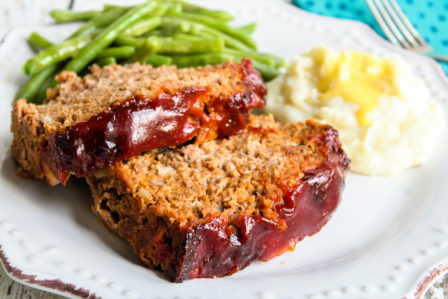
[[437, 56]]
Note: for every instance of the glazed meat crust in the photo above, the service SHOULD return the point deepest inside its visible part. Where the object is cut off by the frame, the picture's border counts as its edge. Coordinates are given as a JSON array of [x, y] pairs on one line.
[[90, 123], [208, 210]]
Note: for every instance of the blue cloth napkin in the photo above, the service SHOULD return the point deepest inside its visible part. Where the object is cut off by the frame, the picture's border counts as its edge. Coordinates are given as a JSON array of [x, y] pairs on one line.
[[429, 17]]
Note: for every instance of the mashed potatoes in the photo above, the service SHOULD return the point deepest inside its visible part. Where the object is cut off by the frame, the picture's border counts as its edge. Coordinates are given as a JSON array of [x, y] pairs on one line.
[[385, 117]]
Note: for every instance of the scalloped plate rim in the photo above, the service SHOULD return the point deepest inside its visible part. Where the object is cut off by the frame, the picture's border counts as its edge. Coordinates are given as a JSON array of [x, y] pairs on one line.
[[378, 39]]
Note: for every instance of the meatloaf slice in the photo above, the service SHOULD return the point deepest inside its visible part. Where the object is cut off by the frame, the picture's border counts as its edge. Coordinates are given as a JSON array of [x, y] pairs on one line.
[[208, 210], [90, 123]]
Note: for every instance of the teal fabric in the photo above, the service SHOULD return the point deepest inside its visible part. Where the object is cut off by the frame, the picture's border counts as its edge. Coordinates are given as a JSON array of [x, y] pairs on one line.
[[429, 17]]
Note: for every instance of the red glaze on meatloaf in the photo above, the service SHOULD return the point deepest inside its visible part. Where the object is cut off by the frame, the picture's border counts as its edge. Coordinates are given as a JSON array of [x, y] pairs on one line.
[[166, 112], [210, 210]]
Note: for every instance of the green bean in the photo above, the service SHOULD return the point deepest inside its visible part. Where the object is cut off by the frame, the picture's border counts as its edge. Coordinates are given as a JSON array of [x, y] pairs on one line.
[[261, 57], [216, 14], [168, 29], [249, 28], [175, 9], [187, 7], [157, 60], [143, 26], [30, 89], [124, 40], [161, 8], [228, 40], [65, 16], [117, 52], [268, 72], [279, 61], [108, 18], [108, 7], [85, 29], [91, 26], [206, 31], [38, 42], [149, 47], [200, 59], [183, 36], [42, 94], [106, 61], [105, 38], [171, 46], [55, 54], [156, 32], [99, 21], [252, 55], [222, 26], [171, 29]]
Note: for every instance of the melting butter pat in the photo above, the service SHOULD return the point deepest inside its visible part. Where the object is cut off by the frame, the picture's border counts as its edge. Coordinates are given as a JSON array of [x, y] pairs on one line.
[[357, 77]]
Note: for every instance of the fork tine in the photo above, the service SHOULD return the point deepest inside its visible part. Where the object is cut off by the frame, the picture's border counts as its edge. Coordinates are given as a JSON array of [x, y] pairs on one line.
[[390, 23], [398, 29], [381, 23], [399, 21], [408, 24]]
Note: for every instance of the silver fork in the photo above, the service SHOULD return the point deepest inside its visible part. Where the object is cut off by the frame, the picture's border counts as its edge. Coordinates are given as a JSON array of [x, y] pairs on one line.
[[399, 30]]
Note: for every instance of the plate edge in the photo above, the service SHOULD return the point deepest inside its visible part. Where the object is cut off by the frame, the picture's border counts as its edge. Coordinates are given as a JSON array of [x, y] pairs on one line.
[[55, 286]]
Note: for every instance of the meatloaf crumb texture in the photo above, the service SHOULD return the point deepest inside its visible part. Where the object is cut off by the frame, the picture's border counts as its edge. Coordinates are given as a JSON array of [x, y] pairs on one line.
[[208, 210], [96, 96]]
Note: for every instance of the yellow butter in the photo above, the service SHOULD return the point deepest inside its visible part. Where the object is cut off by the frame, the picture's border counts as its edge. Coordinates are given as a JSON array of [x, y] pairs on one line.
[[357, 77]]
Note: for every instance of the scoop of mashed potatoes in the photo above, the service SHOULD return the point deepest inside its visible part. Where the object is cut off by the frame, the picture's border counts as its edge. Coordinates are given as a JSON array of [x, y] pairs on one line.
[[386, 119]]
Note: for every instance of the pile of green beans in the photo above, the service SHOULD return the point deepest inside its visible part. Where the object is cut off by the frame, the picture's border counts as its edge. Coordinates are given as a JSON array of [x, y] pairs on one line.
[[157, 32]]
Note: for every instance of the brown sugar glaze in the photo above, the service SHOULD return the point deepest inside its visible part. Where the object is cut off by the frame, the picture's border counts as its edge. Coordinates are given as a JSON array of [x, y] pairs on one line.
[[213, 250], [262, 238], [140, 124]]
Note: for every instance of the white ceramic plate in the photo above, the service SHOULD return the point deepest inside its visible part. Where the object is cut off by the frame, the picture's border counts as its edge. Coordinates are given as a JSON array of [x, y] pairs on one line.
[[388, 238]]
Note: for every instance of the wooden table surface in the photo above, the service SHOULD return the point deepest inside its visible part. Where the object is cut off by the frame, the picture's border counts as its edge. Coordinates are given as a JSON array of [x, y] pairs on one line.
[[16, 13]]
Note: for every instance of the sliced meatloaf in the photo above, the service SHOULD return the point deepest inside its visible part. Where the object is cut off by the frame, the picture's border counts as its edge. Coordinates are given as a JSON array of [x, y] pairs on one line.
[[208, 210], [91, 123]]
